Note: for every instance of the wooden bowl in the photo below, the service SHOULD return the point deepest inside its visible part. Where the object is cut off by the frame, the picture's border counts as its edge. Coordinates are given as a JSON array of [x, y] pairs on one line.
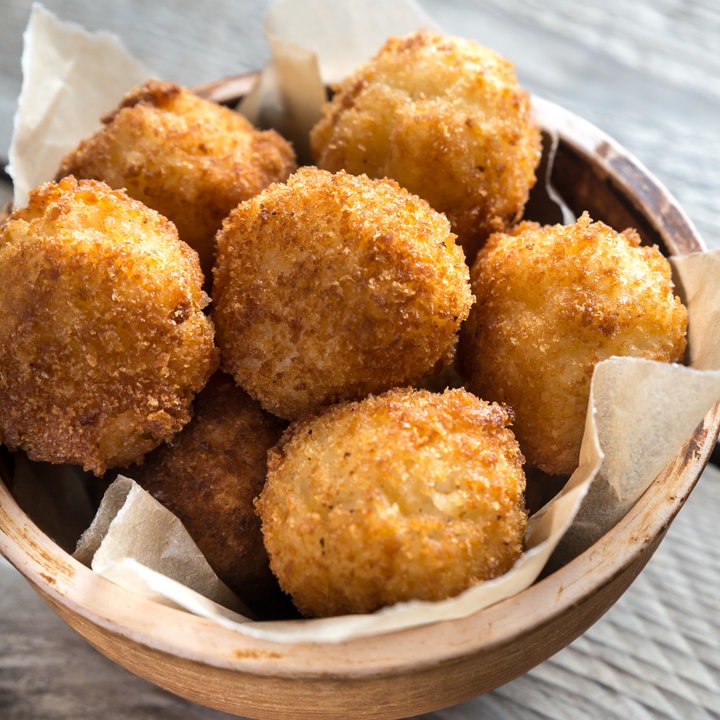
[[425, 668]]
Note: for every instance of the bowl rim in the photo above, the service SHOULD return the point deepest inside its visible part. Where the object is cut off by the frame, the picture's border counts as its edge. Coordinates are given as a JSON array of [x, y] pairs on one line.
[[626, 547]]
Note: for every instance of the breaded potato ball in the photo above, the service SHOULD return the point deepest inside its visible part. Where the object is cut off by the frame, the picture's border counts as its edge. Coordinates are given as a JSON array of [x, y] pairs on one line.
[[447, 119], [406, 495], [103, 338], [209, 474], [190, 159], [552, 302], [332, 286]]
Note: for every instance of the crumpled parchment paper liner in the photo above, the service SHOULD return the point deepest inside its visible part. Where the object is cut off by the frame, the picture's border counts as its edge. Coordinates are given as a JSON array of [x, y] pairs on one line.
[[619, 457], [697, 276], [130, 523], [638, 437], [68, 76], [315, 44], [140, 545]]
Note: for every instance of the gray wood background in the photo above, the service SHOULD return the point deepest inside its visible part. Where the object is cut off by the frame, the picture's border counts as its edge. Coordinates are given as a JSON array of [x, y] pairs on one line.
[[646, 72]]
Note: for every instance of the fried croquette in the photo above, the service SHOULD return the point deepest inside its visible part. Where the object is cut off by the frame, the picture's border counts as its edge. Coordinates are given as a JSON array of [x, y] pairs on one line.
[[190, 159], [209, 475], [552, 302], [333, 286], [447, 119], [406, 495], [103, 338]]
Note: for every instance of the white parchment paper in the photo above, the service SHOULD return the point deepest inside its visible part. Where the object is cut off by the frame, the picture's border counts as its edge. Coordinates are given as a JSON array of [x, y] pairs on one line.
[[69, 76], [132, 524]]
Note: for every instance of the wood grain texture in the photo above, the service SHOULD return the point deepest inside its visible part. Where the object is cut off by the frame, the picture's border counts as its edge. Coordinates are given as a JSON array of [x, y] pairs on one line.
[[648, 73]]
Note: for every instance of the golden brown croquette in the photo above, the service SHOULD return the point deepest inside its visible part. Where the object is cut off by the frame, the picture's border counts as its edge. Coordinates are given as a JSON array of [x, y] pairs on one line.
[[190, 159], [209, 474], [103, 338], [447, 119], [552, 302], [406, 495], [332, 286]]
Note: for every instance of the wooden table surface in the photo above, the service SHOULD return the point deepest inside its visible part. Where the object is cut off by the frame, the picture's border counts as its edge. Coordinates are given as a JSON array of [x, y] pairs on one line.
[[648, 73]]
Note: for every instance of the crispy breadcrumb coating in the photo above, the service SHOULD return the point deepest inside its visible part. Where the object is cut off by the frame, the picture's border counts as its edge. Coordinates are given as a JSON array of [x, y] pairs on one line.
[[406, 495], [190, 159], [447, 119], [103, 339], [333, 286], [552, 302], [209, 475]]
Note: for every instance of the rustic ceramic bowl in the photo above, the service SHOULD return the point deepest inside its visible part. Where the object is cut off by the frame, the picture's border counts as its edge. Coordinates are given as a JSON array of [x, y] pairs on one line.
[[426, 668]]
